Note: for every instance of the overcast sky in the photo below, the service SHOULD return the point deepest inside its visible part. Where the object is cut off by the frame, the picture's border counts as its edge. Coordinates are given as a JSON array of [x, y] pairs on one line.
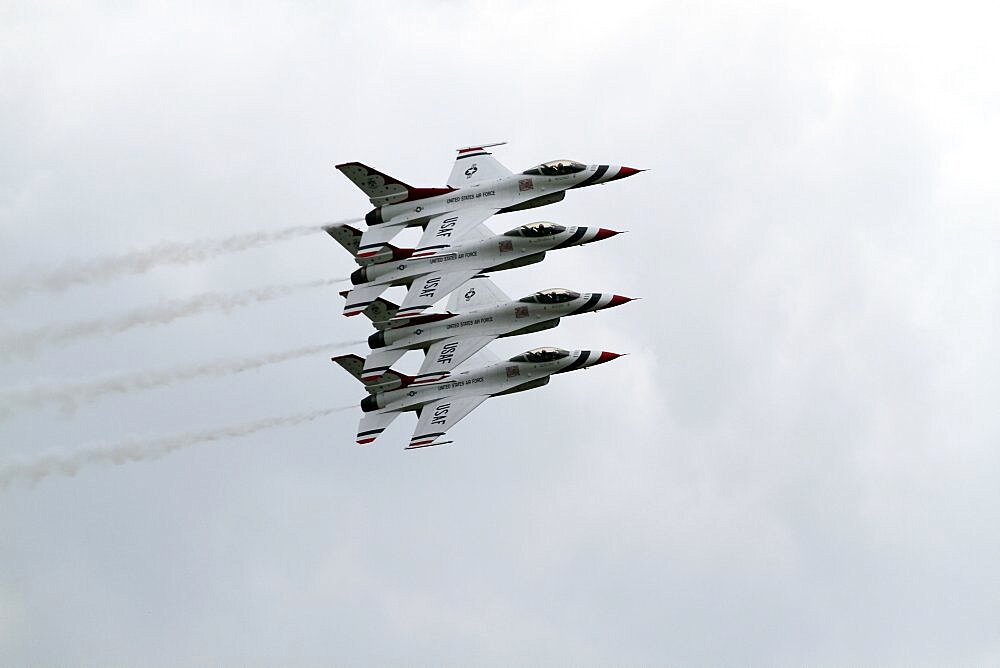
[[797, 463]]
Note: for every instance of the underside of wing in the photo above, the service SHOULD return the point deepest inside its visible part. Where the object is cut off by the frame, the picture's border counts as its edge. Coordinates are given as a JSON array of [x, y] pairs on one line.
[[427, 290], [372, 425], [361, 297], [438, 417], [446, 355], [444, 230], [477, 292], [474, 165]]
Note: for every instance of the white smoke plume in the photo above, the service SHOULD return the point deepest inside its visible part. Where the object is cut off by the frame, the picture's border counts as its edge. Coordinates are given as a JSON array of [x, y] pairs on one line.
[[28, 342], [72, 394], [97, 270], [69, 462]]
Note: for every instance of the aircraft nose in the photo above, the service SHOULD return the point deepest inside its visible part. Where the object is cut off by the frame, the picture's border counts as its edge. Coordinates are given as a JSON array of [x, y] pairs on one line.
[[604, 233], [606, 357], [618, 300], [622, 173]]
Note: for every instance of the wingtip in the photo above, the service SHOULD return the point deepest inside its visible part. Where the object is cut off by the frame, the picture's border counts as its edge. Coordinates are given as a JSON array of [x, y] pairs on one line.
[[426, 445], [479, 147]]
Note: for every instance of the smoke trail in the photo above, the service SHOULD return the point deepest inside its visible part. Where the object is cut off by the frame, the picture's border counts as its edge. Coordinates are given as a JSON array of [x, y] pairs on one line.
[[28, 342], [101, 269], [70, 395], [69, 462]]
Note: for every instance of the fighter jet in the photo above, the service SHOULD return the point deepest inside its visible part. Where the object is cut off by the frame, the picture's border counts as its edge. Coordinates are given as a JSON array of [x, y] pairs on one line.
[[479, 312], [479, 186], [435, 277], [441, 406]]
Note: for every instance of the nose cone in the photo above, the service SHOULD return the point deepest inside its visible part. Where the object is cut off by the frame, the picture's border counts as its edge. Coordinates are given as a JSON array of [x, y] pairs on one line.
[[623, 172], [626, 171], [605, 233], [618, 300], [605, 356]]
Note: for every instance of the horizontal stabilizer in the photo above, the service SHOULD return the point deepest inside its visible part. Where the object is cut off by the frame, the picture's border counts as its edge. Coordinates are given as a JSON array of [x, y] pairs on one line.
[[345, 235], [350, 238], [379, 362], [380, 311], [383, 189], [390, 380], [361, 297]]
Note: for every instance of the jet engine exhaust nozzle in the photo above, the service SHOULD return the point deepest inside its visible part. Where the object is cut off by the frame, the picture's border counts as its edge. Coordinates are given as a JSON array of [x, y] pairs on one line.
[[359, 276], [377, 340]]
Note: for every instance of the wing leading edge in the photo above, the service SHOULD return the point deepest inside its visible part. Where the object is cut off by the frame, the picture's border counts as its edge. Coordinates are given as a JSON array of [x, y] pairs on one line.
[[444, 356], [425, 291], [445, 229], [438, 417]]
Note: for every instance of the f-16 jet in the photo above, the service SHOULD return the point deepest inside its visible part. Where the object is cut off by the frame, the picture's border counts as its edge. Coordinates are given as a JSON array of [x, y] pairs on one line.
[[479, 312], [479, 186], [442, 405], [434, 278]]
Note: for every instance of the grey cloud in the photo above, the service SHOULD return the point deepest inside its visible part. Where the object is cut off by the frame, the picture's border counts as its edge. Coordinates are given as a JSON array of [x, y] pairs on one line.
[[796, 464]]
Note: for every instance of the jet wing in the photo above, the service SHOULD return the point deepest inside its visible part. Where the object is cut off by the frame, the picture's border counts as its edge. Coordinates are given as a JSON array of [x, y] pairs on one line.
[[476, 293], [475, 164], [444, 229], [438, 417], [427, 290], [446, 355], [372, 425]]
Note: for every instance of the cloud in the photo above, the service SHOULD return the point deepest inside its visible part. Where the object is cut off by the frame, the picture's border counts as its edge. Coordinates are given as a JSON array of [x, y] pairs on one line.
[[796, 464]]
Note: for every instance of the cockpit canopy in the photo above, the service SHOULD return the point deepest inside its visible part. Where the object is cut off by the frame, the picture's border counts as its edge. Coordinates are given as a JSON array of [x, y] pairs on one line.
[[539, 355], [551, 296], [536, 230], [556, 168]]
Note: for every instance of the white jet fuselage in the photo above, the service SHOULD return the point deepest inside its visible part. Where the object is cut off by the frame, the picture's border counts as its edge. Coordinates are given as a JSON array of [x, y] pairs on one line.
[[492, 254], [504, 319], [504, 377], [513, 192]]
